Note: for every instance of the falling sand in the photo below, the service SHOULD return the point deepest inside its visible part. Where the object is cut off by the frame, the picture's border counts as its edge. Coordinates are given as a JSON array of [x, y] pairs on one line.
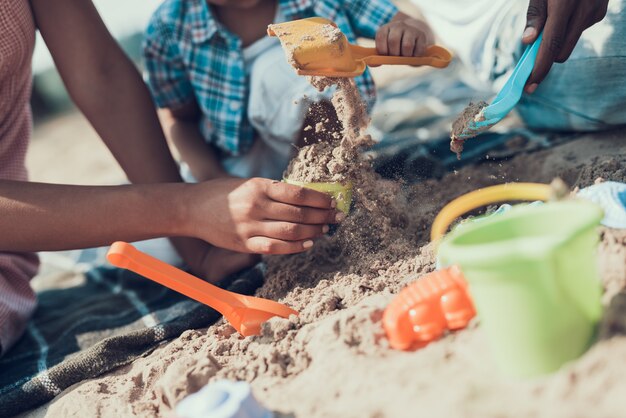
[[374, 233], [338, 159]]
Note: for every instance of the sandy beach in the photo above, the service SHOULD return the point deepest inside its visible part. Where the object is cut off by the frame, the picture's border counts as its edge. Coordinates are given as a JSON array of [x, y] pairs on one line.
[[137, 349], [334, 361]]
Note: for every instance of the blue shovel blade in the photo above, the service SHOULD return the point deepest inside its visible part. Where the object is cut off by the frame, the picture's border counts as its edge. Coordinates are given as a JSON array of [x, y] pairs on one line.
[[510, 94]]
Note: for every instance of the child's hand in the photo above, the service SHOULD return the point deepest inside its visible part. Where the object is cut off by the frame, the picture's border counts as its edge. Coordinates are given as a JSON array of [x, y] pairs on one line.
[[258, 215], [404, 37], [211, 263]]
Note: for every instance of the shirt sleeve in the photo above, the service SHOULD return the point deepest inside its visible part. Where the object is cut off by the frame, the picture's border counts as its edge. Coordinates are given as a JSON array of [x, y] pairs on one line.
[[367, 16], [164, 68]]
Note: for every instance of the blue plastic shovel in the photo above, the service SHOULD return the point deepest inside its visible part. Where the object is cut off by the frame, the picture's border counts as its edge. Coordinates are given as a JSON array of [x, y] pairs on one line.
[[510, 94]]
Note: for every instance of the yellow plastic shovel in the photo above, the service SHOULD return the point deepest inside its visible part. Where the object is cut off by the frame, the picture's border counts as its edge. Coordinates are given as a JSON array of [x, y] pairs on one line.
[[316, 47]]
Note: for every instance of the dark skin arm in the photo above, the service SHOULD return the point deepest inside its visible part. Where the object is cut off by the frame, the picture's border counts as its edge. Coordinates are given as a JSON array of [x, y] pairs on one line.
[[109, 90], [106, 87], [252, 216], [562, 23]]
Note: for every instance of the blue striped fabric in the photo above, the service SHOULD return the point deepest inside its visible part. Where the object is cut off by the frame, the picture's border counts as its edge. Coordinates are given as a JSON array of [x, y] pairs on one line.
[[109, 320]]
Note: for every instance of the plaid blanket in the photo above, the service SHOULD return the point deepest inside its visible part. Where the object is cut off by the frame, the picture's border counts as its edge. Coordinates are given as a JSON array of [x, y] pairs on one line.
[[108, 321]]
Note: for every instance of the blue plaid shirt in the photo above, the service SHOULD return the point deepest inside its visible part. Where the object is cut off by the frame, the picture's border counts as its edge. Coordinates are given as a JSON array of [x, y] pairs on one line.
[[189, 55]]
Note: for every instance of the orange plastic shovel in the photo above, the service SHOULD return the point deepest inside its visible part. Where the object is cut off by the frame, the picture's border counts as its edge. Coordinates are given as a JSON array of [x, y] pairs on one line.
[[245, 313], [316, 47]]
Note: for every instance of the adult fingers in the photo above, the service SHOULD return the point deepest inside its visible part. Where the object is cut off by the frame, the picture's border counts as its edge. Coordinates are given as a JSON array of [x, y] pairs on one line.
[[570, 43], [381, 40], [536, 16], [299, 196], [600, 11], [585, 16], [394, 41], [302, 215], [265, 245], [554, 33], [286, 231]]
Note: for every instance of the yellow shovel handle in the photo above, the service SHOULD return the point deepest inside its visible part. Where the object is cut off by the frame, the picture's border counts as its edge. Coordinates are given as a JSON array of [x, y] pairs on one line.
[[486, 196], [436, 56]]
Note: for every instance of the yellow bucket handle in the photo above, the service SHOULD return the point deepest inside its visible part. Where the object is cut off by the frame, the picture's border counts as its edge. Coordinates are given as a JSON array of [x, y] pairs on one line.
[[486, 196]]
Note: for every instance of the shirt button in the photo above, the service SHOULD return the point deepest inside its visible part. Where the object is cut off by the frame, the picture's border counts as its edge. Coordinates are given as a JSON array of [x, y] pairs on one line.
[[234, 106]]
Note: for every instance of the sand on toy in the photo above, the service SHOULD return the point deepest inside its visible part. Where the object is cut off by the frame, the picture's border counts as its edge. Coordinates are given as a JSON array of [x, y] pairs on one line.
[[472, 113]]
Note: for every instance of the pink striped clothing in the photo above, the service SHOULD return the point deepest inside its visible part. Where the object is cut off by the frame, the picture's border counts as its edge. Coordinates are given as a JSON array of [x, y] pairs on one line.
[[17, 41]]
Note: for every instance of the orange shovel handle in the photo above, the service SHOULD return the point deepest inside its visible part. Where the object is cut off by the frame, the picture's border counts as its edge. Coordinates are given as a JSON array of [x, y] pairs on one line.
[[124, 255], [436, 56]]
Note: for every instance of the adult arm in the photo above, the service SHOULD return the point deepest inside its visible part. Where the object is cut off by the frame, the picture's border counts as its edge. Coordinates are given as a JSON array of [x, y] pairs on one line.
[[47, 217], [562, 23], [106, 87], [254, 216]]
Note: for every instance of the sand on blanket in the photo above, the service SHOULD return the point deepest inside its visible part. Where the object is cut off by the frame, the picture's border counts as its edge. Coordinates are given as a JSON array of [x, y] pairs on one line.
[[333, 360]]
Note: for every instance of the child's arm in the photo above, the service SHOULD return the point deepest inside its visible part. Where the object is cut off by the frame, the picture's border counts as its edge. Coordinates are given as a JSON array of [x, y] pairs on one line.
[[181, 128], [173, 93]]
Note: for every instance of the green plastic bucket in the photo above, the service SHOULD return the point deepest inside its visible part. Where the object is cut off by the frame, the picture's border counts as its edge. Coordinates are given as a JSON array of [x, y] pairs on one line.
[[533, 275]]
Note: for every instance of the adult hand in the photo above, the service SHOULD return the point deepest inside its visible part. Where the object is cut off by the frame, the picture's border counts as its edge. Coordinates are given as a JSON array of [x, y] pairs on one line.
[[404, 36], [258, 215], [562, 23]]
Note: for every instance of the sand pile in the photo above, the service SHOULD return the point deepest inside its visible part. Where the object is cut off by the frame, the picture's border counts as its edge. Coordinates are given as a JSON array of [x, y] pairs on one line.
[[333, 360]]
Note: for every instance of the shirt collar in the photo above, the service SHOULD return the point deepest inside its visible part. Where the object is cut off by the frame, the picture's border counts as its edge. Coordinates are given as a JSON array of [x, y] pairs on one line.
[[295, 9], [200, 21]]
